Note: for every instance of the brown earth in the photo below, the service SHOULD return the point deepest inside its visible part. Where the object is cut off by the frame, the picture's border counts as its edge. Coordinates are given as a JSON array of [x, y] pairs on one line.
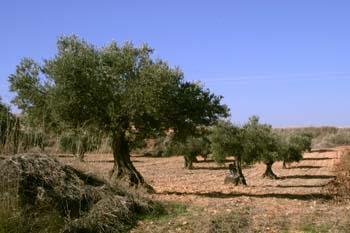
[[297, 202]]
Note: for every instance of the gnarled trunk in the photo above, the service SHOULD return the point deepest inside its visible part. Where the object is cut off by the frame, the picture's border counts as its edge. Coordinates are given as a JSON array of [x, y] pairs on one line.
[[268, 172], [188, 161], [284, 164], [241, 179], [123, 169]]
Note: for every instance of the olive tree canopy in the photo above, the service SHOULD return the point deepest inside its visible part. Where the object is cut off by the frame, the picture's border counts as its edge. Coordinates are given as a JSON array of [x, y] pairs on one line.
[[121, 90]]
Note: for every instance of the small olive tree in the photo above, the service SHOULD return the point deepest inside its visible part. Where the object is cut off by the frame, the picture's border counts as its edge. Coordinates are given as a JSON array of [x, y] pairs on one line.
[[296, 144], [229, 140], [190, 148], [262, 144]]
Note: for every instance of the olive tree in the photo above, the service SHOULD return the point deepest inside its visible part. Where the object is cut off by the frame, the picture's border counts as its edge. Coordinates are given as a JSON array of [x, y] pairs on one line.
[[252, 142], [193, 146], [297, 143], [120, 90], [262, 144], [228, 140]]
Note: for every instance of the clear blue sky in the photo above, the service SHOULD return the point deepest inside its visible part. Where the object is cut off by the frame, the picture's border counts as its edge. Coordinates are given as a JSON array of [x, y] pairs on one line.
[[286, 61]]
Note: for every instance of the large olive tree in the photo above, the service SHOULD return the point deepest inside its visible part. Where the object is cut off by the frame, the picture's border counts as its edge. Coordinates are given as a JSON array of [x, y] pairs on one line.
[[121, 90]]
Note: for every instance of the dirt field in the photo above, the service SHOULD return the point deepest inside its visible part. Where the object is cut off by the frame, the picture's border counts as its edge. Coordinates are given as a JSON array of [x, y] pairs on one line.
[[297, 202]]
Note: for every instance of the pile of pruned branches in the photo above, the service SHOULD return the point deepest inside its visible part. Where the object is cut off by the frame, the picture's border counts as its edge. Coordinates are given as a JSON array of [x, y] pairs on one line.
[[41, 183]]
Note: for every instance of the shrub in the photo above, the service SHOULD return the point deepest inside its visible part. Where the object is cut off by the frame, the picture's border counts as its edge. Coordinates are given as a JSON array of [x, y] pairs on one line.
[[340, 186], [340, 138]]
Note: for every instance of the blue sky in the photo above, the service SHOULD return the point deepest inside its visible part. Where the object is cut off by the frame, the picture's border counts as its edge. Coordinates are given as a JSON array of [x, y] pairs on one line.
[[286, 61]]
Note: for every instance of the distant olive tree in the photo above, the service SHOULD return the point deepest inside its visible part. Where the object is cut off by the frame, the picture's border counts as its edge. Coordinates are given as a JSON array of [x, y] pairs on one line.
[[296, 144], [250, 143], [190, 148], [228, 140]]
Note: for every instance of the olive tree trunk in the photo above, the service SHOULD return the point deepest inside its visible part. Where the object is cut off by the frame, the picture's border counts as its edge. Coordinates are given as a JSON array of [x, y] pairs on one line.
[[188, 161], [268, 172], [123, 169], [241, 179]]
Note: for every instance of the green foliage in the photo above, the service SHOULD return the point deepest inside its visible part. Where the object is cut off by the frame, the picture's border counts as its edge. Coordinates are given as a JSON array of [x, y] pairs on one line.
[[250, 143], [192, 147], [260, 143], [255, 142], [294, 145], [226, 140], [33, 94], [301, 141]]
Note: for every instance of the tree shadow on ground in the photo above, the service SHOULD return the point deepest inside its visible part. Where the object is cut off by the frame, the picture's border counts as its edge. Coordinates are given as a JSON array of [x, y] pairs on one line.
[[213, 161], [109, 161], [321, 150], [324, 158], [209, 168], [305, 197], [295, 186], [307, 177], [65, 156], [99, 161], [205, 161], [304, 167]]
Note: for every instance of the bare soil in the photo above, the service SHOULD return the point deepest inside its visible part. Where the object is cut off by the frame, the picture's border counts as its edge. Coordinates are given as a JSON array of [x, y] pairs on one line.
[[297, 202]]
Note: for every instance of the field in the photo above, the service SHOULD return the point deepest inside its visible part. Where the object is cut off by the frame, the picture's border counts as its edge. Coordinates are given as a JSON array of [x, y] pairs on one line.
[[198, 200]]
